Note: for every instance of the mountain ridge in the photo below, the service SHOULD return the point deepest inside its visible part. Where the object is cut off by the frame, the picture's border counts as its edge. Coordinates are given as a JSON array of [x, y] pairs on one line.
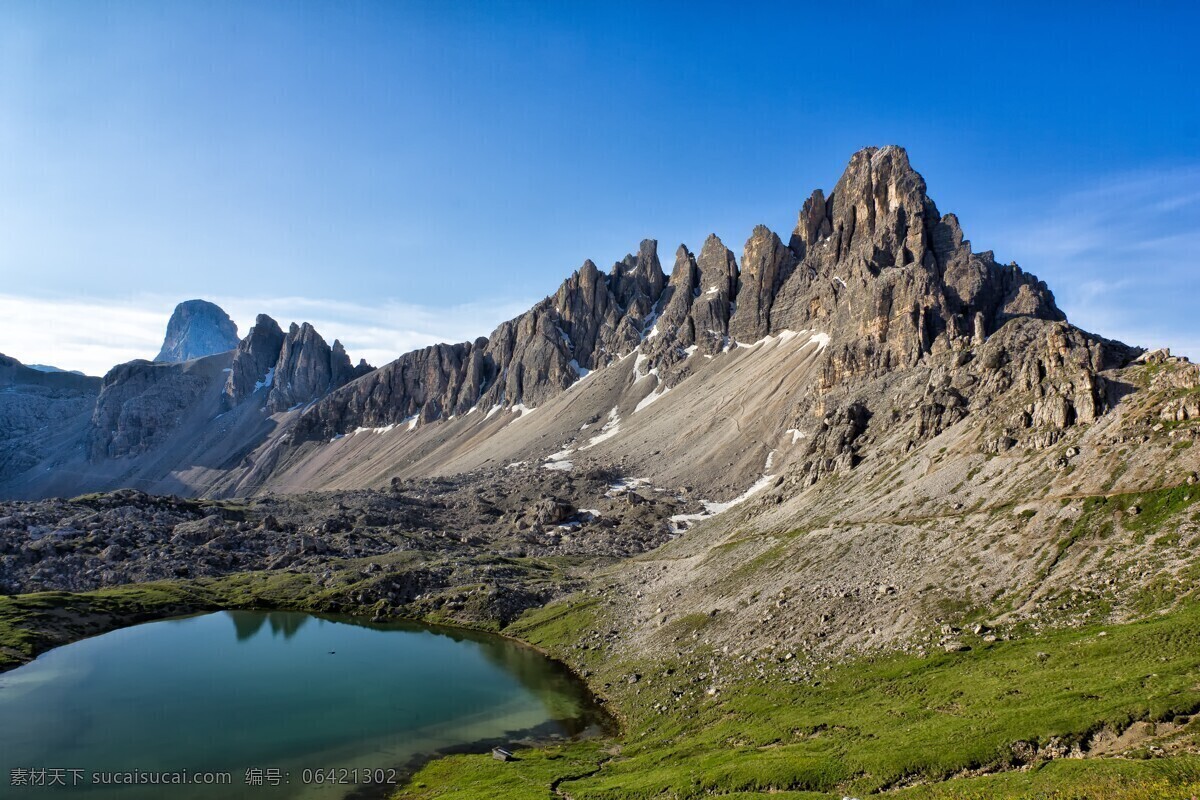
[[602, 317], [873, 282]]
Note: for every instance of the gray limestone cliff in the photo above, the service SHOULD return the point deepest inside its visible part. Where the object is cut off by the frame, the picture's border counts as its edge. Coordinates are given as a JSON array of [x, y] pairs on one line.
[[196, 329], [142, 404], [35, 406], [873, 266]]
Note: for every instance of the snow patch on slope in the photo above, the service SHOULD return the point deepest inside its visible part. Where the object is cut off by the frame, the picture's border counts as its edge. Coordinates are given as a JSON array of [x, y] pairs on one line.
[[642, 358], [650, 399], [681, 522], [522, 410], [384, 429], [610, 429], [806, 337], [580, 371], [267, 380], [558, 461]]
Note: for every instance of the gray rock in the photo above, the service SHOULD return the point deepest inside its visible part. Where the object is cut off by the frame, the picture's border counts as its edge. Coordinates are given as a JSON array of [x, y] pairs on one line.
[[114, 552], [766, 263], [140, 405], [308, 368], [196, 329], [254, 363]]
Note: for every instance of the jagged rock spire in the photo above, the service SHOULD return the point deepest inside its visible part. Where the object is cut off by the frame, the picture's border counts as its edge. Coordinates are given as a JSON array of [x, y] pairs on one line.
[[872, 265], [766, 263], [291, 369], [253, 366]]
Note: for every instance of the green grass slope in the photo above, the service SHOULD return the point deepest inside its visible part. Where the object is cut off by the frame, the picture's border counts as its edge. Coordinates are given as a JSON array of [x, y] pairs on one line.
[[891, 722]]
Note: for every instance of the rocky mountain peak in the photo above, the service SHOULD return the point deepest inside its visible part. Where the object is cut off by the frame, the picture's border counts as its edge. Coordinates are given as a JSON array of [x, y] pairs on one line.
[[872, 267], [766, 263], [639, 279], [254, 362], [308, 368], [875, 319], [717, 287], [197, 328]]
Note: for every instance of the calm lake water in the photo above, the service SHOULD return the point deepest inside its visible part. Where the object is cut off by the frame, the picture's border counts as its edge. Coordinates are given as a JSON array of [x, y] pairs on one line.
[[275, 694]]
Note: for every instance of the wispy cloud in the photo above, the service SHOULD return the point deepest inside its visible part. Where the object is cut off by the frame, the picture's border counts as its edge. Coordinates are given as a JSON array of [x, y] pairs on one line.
[[1122, 255], [93, 336]]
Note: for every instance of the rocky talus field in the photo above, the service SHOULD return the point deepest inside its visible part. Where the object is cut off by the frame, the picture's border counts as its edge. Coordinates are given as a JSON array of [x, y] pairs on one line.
[[856, 511]]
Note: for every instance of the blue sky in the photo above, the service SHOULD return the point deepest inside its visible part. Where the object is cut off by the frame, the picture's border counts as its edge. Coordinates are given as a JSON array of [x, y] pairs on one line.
[[405, 172]]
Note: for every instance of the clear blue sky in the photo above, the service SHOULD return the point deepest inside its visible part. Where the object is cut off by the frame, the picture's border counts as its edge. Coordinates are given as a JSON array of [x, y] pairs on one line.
[[420, 155]]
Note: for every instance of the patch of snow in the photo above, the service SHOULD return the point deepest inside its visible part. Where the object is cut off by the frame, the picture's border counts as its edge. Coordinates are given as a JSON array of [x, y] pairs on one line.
[[758, 486], [650, 399], [493, 410], [610, 429], [515, 464], [839, 280], [680, 522], [712, 290], [770, 461], [267, 380], [690, 351], [642, 358], [649, 327], [412, 421], [561, 466], [384, 429], [797, 435], [560, 455], [813, 337], [624, 485], [335, 438], [227, 369], [580, 371], [591, 512], [522, 410]]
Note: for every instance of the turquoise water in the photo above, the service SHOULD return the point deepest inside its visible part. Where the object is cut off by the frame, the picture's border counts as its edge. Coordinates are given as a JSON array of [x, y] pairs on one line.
[[283, 693]]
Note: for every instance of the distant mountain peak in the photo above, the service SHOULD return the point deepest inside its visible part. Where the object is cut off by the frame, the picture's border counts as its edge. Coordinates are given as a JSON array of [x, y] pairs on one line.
[[197, 328], [49, 368]]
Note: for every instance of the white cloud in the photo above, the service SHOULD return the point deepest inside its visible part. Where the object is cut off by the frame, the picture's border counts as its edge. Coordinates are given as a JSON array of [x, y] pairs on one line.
[[1121, 255], [92, 336]]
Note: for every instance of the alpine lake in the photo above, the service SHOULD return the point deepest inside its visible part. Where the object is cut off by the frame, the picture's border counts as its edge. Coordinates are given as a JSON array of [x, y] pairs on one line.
[[255, 704]]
